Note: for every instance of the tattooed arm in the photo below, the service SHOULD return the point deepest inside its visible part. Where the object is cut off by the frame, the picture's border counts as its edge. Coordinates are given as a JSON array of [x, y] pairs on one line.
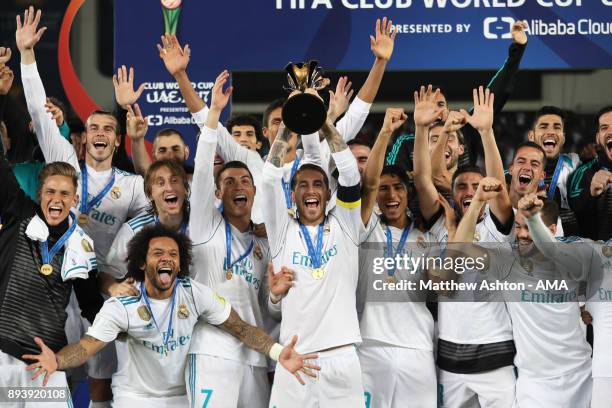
[[253, 337], [280, 146], [73, 355], [334, 139]]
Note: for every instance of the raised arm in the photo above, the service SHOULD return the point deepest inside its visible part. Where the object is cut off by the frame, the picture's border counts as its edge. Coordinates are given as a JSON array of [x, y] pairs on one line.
[[394, 119], [426, 112], [51, 141], [203, 184], [482, 121], [176, 59], [136, 127], [488, 189], [381, 44]]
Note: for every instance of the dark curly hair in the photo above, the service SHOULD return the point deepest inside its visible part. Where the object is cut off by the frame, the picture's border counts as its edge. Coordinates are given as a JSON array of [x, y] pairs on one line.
[[139, 246]]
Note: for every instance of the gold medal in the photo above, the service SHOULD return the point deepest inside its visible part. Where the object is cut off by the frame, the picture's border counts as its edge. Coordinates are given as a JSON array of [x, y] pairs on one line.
[[144, 314], [83, 219], [421, 243], [86, 245], [183, 312], [228, 274], [291, 212], [476, 236], [115, 192], [527, 264], [606, 250], [391, 279], [46, 269], [318, 273]]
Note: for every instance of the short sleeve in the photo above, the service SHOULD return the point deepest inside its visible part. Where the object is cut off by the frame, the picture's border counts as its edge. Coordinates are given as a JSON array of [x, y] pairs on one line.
[[210, 306], [109, 322]]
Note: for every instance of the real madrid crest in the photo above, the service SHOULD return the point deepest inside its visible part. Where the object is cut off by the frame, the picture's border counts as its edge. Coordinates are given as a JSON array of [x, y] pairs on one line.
[[606, 250], [421, 243], [115, 192], [183, 312], [257, 253], [476, 236], [527, 264], [326, 229], [143, 313], [86, 245]]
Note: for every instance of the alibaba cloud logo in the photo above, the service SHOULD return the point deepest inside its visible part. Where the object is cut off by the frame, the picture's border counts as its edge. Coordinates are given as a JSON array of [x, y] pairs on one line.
[[494, 25]]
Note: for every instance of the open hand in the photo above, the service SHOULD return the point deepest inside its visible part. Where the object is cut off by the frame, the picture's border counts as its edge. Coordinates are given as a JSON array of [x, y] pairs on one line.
[[482, 118], [46, 363], [136, 125], [426, 111], [383, 40], [124, 87], [28, 34], [295, 362], [175, 58], [219, 97], [339, 100]]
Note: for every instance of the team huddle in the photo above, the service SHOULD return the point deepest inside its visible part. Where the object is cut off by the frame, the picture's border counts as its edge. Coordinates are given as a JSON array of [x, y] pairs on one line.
[[185, 286]]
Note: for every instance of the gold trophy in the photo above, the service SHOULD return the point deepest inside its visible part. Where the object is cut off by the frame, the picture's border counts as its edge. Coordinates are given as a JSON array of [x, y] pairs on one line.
[[304, 113]]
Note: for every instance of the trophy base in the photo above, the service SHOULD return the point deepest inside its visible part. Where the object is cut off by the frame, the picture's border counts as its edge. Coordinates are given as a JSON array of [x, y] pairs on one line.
[[304, 114]]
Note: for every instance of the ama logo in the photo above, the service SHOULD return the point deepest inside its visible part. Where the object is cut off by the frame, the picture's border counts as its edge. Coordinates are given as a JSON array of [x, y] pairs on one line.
[[497, 27]]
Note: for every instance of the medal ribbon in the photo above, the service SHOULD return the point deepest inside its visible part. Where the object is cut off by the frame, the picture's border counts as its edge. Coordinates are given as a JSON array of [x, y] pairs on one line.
[[400, 246], [555, 179], [316, 255], [86, 206], [166, 338], [47, 255], [227, 263], [182, 229], [287, 185]]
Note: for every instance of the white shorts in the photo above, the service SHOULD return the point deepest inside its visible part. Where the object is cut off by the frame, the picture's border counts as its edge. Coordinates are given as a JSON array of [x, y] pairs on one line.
[[567, 391], [131, 401], [215, 382], [13, 374], [104, 363], [398, 377], [338, 384], [489, 389], [602, 392]]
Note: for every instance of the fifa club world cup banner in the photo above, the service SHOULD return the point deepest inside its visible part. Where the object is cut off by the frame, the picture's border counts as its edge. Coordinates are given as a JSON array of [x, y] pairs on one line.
[[267, 34]]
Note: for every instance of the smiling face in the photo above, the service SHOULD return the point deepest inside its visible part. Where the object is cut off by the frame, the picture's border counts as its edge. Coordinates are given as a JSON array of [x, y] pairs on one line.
[[162, 264], [464, 190], [310, 194], [101, 139], [604, 134], [527, 170], [453, 148], [271, 129], [237, 191], [392, 197], [167, 191], [57, 195], [548, 132]]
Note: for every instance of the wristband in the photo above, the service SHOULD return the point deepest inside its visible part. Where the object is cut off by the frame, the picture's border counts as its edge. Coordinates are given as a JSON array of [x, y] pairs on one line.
[[275, 351]]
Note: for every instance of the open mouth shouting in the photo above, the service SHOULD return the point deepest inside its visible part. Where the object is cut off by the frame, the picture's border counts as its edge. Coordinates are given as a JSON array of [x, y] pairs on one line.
[[447, 154], [164, 273], [100, 144], [608, 145], [465, 203], [55, 211], [240, 200], [312, 203], [524, 180], [171, 200], [549, 145], [218, 161]]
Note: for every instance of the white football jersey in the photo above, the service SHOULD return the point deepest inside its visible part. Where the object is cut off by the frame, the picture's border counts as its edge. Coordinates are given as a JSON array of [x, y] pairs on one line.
[[247, 288], [125, 199], [545, 321], [116, 264], [473, 322], [599, 305], [400, 322], [319, 308], [153, 369]]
